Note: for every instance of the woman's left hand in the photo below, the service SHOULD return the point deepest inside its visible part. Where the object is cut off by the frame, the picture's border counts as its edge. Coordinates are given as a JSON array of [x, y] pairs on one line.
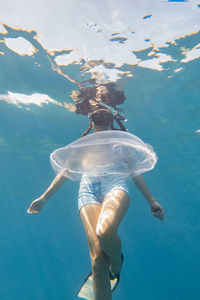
[[157, 210]]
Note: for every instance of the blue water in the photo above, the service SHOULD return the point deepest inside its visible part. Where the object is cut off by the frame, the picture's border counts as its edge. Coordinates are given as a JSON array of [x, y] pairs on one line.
[[45, 256]]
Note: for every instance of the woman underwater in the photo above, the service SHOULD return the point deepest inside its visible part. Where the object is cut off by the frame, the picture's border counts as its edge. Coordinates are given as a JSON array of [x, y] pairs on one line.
[[102, 206]]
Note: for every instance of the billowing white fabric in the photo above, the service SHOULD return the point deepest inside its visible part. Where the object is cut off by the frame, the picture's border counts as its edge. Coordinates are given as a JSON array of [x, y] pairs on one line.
[[102, 153]]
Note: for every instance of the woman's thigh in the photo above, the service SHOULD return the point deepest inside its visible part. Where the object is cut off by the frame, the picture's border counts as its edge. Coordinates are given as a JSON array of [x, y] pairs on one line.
[[114, 208]]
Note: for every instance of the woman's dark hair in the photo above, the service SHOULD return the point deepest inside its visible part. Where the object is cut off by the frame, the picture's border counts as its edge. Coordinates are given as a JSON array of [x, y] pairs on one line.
[[87, 130], [105, 93], [102, 117], [88, 102]]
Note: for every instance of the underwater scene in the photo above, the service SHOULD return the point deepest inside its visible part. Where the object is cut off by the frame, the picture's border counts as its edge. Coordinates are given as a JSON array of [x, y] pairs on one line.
[[58, 59]]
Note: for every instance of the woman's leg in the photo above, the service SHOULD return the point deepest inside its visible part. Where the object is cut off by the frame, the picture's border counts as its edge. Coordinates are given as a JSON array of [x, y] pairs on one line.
[[114, 208], [100, 261]]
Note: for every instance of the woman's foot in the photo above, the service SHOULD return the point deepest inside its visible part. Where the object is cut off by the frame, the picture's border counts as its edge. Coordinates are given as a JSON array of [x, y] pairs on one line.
[[115, 269]]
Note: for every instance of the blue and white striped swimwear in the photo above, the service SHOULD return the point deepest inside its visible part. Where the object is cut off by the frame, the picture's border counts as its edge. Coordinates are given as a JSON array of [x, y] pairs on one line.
[[93, 189]]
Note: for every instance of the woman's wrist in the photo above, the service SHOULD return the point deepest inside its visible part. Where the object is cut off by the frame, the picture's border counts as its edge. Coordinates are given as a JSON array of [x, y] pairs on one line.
[[151, 200], [43, 198]]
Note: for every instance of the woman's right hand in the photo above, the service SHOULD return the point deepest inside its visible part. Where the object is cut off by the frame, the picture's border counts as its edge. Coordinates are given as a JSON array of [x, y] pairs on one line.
[[36, 206], [157, 210]]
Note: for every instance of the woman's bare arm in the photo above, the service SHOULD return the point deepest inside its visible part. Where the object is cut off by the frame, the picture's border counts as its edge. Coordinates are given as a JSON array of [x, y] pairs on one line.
[[156, 208], [37, 205]]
